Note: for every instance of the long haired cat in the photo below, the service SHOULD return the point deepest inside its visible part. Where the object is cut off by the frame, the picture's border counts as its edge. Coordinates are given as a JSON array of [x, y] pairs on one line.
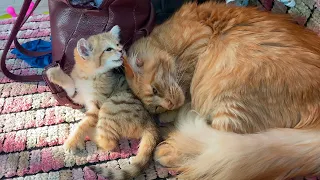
[[112, 111], [245, 71]]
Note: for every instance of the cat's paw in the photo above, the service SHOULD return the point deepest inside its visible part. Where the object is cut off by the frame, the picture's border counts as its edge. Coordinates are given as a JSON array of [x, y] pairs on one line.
[[167, 155], [73, 146], [54, 75]]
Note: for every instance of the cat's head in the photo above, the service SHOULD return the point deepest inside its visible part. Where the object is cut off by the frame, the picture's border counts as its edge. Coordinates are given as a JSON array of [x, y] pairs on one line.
[[151, 74], [100, 53]]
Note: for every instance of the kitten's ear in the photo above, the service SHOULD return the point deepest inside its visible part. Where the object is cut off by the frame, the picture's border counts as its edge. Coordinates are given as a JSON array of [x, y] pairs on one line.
[[115, 31], [84, 48]]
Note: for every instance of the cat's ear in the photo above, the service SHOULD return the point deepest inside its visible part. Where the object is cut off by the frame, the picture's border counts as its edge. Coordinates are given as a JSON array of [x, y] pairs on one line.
[[84, 48], [139, 63], [128, 71], [136, 65], [115, 31]]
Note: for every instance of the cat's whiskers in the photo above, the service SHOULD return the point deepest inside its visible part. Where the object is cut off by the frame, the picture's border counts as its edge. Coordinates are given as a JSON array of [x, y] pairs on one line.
[[181, 72], [178, 74], [181, 76], [185, 69], [169, 72]]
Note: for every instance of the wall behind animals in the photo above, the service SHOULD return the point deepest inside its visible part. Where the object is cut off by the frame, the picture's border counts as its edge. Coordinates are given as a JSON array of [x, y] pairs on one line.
[[43, 6]]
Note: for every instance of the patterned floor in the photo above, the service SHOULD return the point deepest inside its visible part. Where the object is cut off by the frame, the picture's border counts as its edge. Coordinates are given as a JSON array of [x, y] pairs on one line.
[[33, 127]]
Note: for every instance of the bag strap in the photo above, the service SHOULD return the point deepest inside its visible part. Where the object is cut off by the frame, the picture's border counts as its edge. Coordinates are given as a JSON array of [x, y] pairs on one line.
[[21, 19], [146, 29], [18, 45]]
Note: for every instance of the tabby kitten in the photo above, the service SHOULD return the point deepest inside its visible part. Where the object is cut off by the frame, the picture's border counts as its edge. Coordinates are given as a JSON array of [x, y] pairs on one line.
[[112, 111], [245, 71]]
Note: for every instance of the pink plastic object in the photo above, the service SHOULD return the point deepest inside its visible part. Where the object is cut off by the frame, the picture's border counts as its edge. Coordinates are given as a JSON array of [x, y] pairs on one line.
[[12, 11], [30, 8]]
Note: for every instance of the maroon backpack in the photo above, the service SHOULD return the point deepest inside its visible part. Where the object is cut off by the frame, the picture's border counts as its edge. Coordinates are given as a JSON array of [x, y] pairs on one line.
[[70, 23]]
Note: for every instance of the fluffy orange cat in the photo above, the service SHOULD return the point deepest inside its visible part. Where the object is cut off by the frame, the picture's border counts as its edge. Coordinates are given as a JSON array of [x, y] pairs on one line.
[[244, 71]]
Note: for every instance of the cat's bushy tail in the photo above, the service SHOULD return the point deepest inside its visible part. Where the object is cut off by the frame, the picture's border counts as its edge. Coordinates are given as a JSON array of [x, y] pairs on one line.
[[147, 144], [215, 155]]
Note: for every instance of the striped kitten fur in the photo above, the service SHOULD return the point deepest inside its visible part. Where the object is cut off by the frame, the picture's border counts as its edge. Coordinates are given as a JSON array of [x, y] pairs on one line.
[[112, 111]]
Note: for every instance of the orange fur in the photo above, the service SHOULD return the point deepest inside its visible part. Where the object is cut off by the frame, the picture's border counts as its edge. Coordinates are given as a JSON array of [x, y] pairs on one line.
[[244, 71], [275, 154], [128, 70]]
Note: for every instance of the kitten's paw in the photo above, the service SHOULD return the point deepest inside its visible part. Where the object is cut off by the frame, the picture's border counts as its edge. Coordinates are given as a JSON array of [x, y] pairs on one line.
[[57, 76], [107, 145], [54, 75], [73, 146]]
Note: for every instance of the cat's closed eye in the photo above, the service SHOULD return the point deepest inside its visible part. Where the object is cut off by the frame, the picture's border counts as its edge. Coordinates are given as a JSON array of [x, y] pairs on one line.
[[159, 109], [154, 90], [109, 49]]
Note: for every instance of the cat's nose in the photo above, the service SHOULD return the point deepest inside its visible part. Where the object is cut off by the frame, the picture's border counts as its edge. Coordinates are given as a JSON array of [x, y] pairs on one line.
[[121, 51]]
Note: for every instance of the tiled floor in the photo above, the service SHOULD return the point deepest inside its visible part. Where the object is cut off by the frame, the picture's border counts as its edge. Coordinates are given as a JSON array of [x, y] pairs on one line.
[[43, 6]]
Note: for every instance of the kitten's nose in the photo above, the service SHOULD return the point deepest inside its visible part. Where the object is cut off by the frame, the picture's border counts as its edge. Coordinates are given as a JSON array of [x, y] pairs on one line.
[[121, 51]]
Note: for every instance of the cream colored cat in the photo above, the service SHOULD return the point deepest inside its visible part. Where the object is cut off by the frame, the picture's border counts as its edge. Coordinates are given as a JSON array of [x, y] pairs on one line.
[[245, 71], [112, 111]]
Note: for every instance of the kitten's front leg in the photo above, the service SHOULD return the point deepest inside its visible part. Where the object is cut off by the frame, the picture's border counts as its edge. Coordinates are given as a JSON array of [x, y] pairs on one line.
[[57, 76]]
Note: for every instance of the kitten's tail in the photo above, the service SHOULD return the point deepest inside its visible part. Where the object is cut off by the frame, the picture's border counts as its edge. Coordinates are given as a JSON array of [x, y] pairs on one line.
[[215, 155], [147, 144]]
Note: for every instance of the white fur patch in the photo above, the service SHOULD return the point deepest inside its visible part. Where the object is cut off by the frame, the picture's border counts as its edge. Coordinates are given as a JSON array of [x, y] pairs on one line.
[[84, 89], [111, 63]]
